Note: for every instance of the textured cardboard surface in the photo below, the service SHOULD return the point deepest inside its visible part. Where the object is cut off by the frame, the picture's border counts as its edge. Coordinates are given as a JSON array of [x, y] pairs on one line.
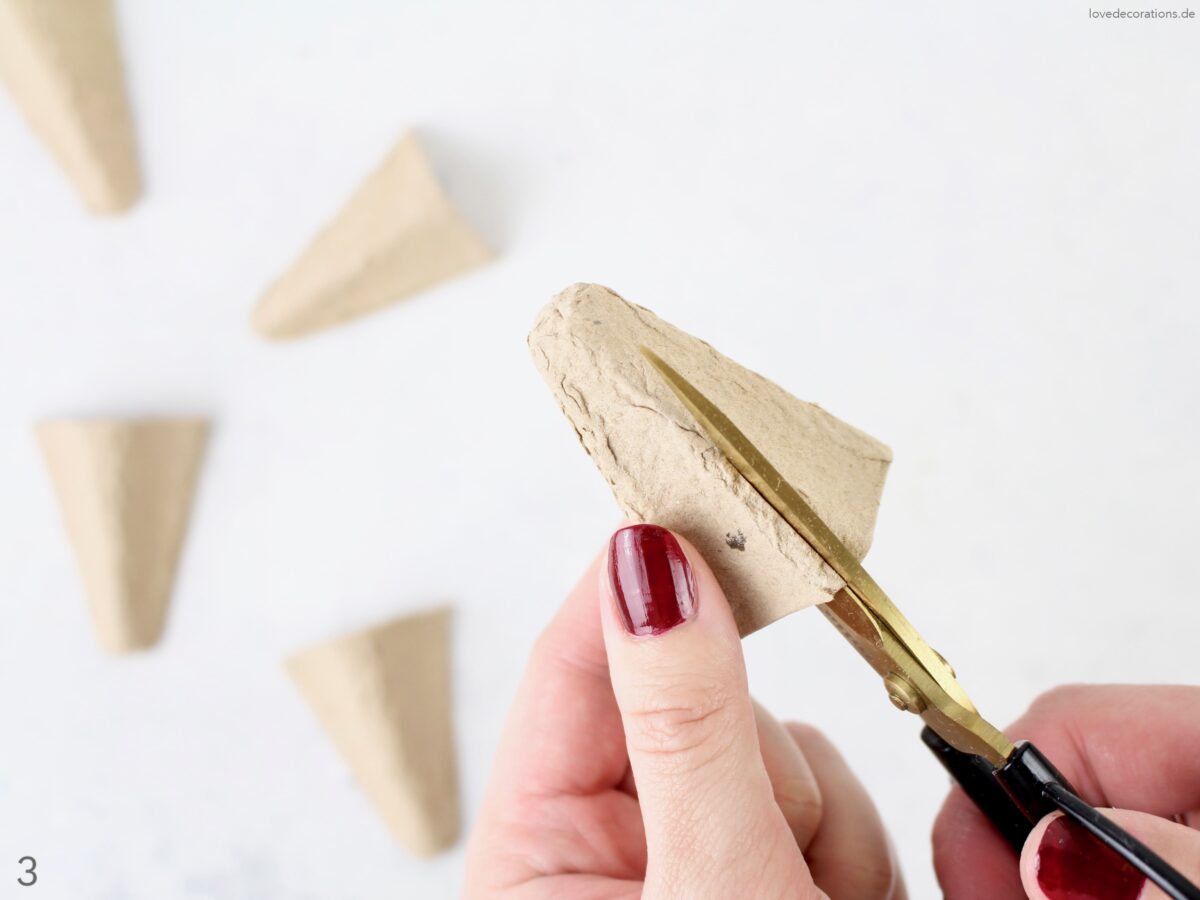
[[662, 468], [397, 235], [61, 62], [125, 490], [384, 696]]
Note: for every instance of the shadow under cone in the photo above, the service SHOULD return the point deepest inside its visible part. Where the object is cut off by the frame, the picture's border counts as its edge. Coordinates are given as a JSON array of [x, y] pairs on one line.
[[61, 62], [384, 696], [397, 235], [125, 489]]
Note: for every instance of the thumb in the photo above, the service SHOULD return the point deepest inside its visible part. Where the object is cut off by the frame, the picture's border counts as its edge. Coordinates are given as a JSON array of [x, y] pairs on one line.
[[1062, 860], [675, 659]]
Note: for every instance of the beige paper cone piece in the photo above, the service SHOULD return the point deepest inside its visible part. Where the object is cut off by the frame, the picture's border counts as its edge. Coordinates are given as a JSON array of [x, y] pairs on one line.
[[397, 235], [125, 490], [62, 64], [383, 695], [663, 469]]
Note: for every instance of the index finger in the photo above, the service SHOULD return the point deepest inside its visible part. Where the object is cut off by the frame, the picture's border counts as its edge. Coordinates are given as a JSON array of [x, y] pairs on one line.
[[1132, 746], [564, 734]]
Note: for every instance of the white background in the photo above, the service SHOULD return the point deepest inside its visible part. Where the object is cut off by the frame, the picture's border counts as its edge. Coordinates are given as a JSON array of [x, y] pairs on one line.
[[970, 229]]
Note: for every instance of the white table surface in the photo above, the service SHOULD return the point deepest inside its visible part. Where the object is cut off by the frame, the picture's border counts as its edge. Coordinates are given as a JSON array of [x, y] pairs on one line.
[[970, 229]]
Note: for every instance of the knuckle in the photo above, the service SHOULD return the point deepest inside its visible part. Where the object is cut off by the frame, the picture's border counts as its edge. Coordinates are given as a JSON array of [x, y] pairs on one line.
[[876, 879], [680, 722], [551, 653], [806, 735], [812, 741], [800, 801]]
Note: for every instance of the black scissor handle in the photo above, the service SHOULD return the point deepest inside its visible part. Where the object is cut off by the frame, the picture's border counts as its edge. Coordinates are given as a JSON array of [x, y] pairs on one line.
[[1016, 796], [977, 777]]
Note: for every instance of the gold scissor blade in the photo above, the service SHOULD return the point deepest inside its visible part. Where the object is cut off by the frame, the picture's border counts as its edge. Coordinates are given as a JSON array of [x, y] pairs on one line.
[[765, 478], [899, 650], [787, 501]]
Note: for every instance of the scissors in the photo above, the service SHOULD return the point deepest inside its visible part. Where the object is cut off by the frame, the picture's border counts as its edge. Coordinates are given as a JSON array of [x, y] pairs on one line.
[[1013, 784]]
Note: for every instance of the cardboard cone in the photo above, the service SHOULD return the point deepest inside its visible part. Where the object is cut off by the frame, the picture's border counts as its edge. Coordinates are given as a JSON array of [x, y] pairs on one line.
[[383, 695], [397, 235], [125, 490], [62, 64], [662, 468]]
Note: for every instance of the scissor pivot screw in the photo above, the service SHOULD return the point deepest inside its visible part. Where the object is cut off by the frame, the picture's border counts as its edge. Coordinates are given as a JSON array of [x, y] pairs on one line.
[[903, 695]]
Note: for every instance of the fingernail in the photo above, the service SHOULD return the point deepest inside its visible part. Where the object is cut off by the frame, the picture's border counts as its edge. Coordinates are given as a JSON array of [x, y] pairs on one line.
[[1073, 865], [651, 579]]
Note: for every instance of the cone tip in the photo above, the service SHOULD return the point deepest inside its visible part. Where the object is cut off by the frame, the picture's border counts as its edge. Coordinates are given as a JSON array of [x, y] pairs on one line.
[[113, 200], [275, 318]]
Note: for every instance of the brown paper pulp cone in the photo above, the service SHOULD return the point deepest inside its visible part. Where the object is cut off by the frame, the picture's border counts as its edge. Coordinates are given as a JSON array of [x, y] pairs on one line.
[[125, 490], [62, 64], [663, 469], [384, 696], [397, 235]]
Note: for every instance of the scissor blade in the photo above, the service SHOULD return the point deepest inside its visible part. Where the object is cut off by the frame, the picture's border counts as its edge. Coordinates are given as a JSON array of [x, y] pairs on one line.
[[797, 512], [765, 478]]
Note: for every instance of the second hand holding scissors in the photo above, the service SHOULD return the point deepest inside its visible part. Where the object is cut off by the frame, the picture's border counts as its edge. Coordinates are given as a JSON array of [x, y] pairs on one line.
[[1013, 784]]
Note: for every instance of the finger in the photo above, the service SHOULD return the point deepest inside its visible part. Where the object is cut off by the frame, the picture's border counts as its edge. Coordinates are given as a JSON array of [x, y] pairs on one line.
[[792, 781], [548, 808], [675, 658], [1130, 746], [850, 855], [564, 731], [1061, 860], [969, 856], [1127, 746]]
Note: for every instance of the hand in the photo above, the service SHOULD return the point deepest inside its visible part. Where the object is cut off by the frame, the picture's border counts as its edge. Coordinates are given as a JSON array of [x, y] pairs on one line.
[[635, 764], [1119, 745]]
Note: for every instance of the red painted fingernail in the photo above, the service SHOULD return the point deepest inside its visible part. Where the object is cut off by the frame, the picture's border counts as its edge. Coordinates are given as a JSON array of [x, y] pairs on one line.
[[651, 579], [1073, 865]]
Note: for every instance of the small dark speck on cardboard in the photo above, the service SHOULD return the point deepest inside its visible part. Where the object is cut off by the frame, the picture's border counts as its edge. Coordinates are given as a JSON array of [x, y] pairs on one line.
[[597, 322], [736, 540]]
